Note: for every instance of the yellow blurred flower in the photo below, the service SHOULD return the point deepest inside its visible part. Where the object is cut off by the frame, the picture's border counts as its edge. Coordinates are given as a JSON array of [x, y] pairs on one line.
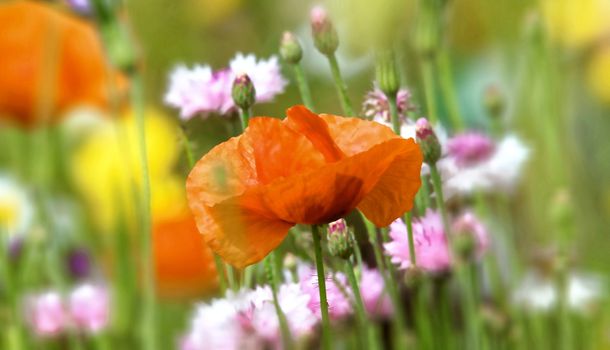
[[576, 23], [598, 74], [16, 210], [106, 169]]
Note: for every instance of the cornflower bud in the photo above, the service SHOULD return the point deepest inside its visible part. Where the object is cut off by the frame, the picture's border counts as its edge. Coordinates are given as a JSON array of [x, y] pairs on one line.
[[243, 92], [339, 240], [493, 101], [427, 140], [386, 74], [290, 48], [324, 34]]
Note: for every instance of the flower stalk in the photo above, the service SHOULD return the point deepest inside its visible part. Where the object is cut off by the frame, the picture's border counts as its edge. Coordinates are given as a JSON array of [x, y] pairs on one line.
[[326, 341], [271, 270]]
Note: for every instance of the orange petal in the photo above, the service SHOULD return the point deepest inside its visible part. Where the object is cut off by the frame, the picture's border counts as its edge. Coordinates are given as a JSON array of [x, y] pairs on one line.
[[305, 122], [330, 192], [354, 135], [184, 265], [276, 151], [237, 230], [393, 193]]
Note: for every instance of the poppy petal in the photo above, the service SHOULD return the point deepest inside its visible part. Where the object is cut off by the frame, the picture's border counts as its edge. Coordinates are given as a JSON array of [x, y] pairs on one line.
[[395, 190], [309, 124], [354, 135]]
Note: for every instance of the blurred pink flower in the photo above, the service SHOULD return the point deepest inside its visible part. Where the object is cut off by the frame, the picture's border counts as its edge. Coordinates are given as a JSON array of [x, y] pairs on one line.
[[201, 90], [265, 75], [376, 107], [431, 248], [470, 148], [46, 314], [473, 164], [90, 307], [372, 289], [337, 292]]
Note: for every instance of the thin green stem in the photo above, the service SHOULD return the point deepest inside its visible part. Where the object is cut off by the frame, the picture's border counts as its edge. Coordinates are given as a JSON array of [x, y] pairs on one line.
[[303, 85], [440, 200], [443, 64], [149, 332], [244, 117], [271, 268], [326, 341], [409, 224], [394, 114], [357, 252], [340, 85], [429, 90], [359, 305]]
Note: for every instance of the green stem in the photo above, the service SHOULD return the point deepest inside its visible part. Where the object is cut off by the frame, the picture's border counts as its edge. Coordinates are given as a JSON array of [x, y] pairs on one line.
[[326, 341], [446, 84], [272, 275], [394, 114], [244, 117], [149, 332], [359, 305], [303, 86], [428, 77], [340, 85], [409, 224], [440, 200], [357, 252]]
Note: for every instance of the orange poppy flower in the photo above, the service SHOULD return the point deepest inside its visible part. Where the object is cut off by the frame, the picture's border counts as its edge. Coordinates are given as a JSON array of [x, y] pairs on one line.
[[247, 192], [184, 265], [50, 61]]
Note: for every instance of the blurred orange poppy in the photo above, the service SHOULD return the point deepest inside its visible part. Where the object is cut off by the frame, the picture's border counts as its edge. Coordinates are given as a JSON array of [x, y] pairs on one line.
[[247, 192], [50, 61], [184, 266]]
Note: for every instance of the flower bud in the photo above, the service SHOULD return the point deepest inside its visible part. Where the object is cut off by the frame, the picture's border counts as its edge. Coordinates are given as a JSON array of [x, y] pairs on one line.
[[290, 261], [324, 34], [290, 48], [243, 92], [413, 277], [339, 239], [427, 140], [428, 30], [79, 263], [493, 101], [386, 74]]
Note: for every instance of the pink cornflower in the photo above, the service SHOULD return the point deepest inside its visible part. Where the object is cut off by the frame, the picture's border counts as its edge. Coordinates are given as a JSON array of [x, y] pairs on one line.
[[201, 90], [337, 293], [376, 107], [470, 148], [374, 296], [431, 248], [46, 314], [90, 308]]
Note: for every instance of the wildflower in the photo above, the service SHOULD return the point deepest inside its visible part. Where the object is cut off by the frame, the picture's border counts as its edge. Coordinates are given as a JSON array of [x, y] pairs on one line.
[[248, 319], [376, 107], [337, 293], [339, 240], [538, 292], [290, 48], [305, 169], [472, 239], [324, 34], [89, 307], [474, 163], [373, 292], [427, 140], [200, 90], [46, 314], [81, 75], [431, 247], [576, 24], [105, 168], [16, 209], [470, 148], [79, 263], [265, 75], [81, 6], [243, 92]]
